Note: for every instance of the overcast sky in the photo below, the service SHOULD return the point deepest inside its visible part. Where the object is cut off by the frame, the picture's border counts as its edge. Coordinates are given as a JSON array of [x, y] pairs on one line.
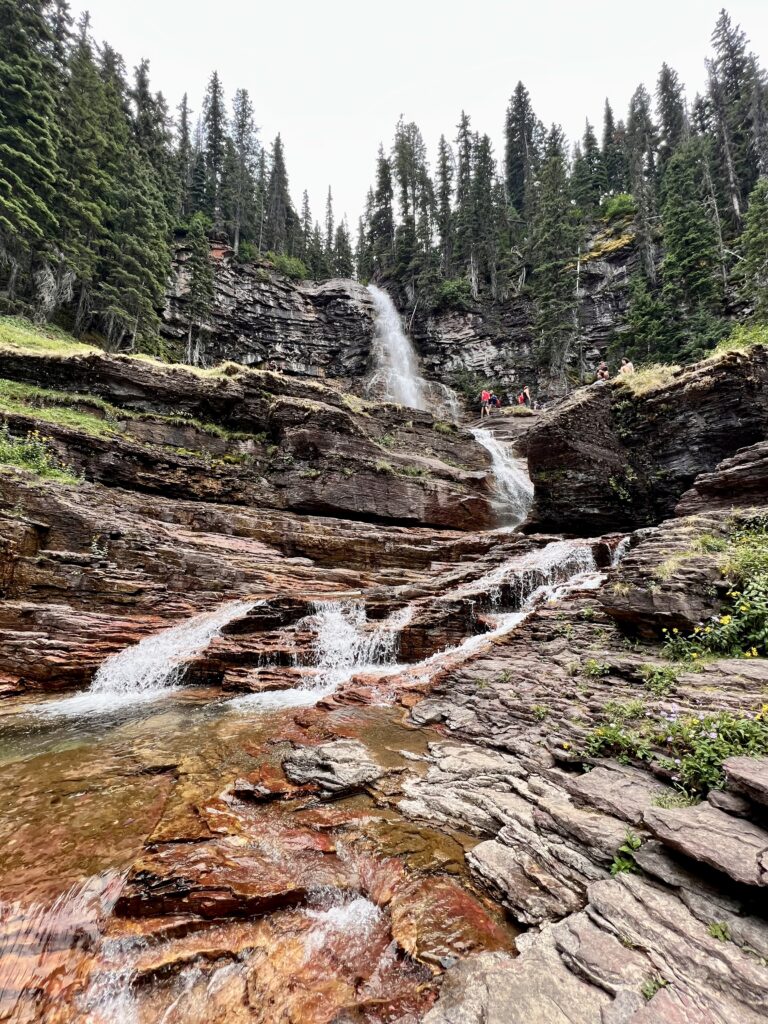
[[333, 76]]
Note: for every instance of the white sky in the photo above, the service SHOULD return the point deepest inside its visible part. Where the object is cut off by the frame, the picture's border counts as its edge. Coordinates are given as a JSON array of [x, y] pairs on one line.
[[333, 76]]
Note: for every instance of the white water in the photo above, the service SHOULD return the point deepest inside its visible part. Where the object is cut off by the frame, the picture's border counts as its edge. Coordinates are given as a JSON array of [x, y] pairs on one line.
[[355, 919], [152, 667], [345, 643], [396, 376], [397, 365], [513, 487]]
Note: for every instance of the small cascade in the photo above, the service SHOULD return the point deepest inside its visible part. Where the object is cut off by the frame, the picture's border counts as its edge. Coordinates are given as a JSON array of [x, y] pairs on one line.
[[345, 643], [513, 487], [396, 376], [154, 665]]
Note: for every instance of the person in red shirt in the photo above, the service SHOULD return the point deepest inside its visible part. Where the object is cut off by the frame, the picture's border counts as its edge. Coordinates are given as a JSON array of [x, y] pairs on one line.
[[485, 398]]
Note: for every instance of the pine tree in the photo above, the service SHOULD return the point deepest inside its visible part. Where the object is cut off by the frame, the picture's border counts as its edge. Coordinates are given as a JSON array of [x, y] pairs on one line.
[[588, 177], [215, 134], [754, 247], [342, 251], [184, 159], [306, 228], [613, 155], [520, 154], [281, 223], [316, 255], [238, 180], [330, 227], [152, 131], [649, 322], [641, 150], [731, 90], [463, 213], [382, 221], [444, 202], [82, 199], [670, 107], [689, 267], [555, 245], [363, 253], [28, 139], [201, 286]]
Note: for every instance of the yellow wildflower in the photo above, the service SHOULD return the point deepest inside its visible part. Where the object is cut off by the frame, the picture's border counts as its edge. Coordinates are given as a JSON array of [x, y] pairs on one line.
[[725, 619]]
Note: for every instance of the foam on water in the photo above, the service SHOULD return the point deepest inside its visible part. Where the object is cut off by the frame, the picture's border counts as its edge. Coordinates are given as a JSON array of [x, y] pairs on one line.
[[152, 667], [512, 485]]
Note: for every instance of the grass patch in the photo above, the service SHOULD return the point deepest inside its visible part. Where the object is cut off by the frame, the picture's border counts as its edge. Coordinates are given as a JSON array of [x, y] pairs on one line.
[[649, 378], [741, 339], [19, 333], [34, 452], [660, 680], [516, 410], [444, 428]]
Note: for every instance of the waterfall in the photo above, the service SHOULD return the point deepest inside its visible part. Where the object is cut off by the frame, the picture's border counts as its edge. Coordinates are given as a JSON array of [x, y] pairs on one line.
[[154, 665], [345, 643], [396, 376], [512, 485], [397, 365]]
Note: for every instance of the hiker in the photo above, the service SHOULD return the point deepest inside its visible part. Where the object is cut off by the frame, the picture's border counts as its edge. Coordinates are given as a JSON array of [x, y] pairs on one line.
[[494, 401], [626, 367], [527, 396], [602, 372], [485, 398]]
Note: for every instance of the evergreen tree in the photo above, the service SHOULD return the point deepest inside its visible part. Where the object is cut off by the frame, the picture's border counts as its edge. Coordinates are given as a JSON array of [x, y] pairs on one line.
[[641, 152], [317, 262], [754, 246], [238, 180], [555, 245], [260, 199], [330, 228], [463, 214], [670, 107], [444, 201], [588, 177], [649, 322], [732, 88], [689, 267], [28, 139], [306, 228], [281, 223], [152, 131], [520, 155], [201, 286], [342, 251], [382, 221], [184, 159], [363, 253], [613, 155], [215, 134]]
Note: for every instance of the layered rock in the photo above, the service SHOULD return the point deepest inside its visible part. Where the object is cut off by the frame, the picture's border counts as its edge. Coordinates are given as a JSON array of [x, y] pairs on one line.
[[619, 456]]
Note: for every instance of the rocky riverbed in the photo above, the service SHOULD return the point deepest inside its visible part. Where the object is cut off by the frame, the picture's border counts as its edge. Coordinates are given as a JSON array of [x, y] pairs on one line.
[[372, 783]]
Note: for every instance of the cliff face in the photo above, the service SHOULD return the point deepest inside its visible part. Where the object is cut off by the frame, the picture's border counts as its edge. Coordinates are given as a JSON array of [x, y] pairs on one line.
[[619, 456], [261, 318]]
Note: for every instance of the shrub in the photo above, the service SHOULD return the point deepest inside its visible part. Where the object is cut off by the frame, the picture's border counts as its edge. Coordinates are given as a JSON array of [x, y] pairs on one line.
[[593, 667], [454, 294], [621, 205], [650, 987], [33, 452], [660, 679], [444, 428], [625, 857], [289, 266]]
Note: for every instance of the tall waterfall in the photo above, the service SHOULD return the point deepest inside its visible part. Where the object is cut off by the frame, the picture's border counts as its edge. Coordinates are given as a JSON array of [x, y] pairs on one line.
[[397, 366], [514, 490]]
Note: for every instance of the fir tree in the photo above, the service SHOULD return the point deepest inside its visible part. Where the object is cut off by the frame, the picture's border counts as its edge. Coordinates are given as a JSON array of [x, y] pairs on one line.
[[754, 247], [28, 139], [281, 222], [184, 159], [444, 200], [641, 151], [649, 322], [330, 227], [670, 107], [382, 221], [342, 251], [555, 245], [201, 286], [689, 267], [215, 134], [520, 154], [613, 155], [588, 176], [238, 180], [306, 228], [463, 214]]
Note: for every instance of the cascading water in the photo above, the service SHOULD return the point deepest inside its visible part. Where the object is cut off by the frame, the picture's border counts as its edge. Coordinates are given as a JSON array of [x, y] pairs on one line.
[[396, 376], [344, 644], [513, 487], [150, 667]]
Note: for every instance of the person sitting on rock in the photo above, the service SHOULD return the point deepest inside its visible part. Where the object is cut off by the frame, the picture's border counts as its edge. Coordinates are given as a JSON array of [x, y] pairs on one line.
[[493, 401], [626, 366], [602, 372]]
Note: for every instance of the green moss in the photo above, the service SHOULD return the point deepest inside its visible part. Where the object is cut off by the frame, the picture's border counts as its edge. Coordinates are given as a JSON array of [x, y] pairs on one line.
[[21, 334]]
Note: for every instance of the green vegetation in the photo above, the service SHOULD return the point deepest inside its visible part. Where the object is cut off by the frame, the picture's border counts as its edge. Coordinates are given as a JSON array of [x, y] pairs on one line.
[[660, 680], [453, 295], [593, 667], [676, 799], [19, 333], [622, 205], [650, 987], [33, 452], [444, 428], [720, 930], [289, 266], [691, 748], [625, 857], [540, 712]]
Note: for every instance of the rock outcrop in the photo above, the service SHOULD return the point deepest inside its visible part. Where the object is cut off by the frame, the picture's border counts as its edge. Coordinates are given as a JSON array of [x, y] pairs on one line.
[[621, 455]]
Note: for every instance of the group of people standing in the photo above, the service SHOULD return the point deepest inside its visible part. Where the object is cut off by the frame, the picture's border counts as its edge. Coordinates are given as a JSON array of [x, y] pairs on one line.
[[490, 401]]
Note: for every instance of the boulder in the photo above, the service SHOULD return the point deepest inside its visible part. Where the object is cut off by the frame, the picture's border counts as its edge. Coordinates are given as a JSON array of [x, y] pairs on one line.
[[748, 775], [341, 766]]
